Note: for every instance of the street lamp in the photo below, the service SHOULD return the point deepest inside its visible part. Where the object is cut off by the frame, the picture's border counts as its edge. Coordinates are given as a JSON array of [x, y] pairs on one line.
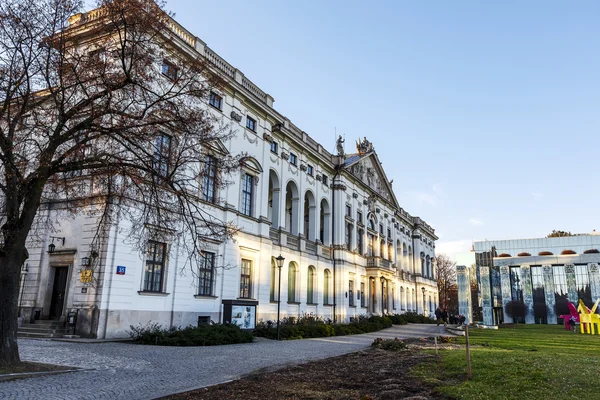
[[279, 261], [423, 290]]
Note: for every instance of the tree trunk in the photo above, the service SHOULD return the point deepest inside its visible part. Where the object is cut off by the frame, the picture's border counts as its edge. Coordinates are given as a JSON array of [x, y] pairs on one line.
[[10, 268]]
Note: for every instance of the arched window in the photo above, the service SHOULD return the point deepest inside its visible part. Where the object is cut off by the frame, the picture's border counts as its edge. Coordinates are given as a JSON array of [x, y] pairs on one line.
[[382, 247], [402, 300], [292, 198], [273, 292], [326, 285], [310, 287], [310, 210], [292, 282], [324, 223], [274, 199]]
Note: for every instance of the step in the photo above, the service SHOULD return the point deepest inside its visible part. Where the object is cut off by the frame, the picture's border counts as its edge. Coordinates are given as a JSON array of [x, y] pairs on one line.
[[34, 329], [45, 322], [38, 335]]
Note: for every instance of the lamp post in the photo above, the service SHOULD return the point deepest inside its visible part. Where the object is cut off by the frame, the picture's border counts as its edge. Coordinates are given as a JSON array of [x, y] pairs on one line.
[[423, 290], [279, 261]]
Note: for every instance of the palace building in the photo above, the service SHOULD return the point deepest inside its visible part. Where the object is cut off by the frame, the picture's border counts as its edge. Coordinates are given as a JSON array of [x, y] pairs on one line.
[[349, 248]]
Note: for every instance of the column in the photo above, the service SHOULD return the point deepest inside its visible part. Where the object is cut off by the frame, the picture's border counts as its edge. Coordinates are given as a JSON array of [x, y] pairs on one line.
[[506, 292], [486, 296], [527, 294], [549, 293], [571, 284], [464, 292]]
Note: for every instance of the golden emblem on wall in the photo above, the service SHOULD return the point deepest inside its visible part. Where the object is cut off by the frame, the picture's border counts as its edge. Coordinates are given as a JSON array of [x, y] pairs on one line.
[[85, 275]]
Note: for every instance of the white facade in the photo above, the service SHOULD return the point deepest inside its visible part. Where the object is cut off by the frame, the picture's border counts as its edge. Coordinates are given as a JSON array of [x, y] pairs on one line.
[[349, 247]]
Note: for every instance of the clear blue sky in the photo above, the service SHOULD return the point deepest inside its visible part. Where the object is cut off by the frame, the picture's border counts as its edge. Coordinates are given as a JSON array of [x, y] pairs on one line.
[[486, 114]]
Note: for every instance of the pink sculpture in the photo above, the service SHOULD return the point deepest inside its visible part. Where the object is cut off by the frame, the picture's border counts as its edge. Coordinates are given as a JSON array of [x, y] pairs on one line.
[[567, 317]]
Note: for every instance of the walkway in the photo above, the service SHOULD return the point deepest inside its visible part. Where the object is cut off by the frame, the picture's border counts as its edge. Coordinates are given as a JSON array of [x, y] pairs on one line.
[[129, 371]]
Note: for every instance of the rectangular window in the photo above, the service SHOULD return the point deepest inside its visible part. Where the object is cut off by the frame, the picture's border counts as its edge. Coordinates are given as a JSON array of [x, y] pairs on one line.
[[246, 279], [359, 217], [162, 152], [209, 180], [169, 70], [215, 100], [274, 147], [349, 237], [310, 170], [381, 229], [325, 179], [206, 274], [389, 233], [247, 191], [155, 266], [362, 294], [293, 159], [370, 244], [251, 124], [351, 292], [359, 241], [348, 211]]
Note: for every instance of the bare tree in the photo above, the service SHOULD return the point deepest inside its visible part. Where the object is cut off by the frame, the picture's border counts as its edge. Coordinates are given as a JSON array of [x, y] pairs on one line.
[[445, 271], [100, 113]]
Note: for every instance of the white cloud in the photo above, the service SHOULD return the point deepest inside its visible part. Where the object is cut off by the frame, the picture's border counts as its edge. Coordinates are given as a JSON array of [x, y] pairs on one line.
[[431, 198], [475, 221], [452, 247]]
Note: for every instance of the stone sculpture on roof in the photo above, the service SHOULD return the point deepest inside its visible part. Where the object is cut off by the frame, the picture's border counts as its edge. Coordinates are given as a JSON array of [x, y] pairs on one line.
[[363, 146]]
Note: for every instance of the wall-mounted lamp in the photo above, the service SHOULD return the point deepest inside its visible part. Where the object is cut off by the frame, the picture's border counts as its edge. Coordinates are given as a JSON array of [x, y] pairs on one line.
[[85, 261], [52, 246]]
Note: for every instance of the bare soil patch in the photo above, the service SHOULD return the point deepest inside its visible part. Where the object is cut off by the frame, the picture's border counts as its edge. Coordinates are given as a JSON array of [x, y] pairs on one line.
[[371, 374]]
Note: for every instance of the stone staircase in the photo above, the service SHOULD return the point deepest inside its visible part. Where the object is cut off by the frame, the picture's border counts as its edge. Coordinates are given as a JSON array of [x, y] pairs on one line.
[[43, 329]]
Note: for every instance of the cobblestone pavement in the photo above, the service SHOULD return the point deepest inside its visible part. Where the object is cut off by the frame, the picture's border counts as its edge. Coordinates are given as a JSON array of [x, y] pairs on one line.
[[129, 371]]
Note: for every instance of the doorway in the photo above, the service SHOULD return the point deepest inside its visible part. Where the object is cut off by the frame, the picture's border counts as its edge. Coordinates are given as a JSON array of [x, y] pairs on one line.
[[59, 289]]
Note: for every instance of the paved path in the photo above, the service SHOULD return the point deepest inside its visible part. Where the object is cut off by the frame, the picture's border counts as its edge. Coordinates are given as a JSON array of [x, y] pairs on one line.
[[129, 371]]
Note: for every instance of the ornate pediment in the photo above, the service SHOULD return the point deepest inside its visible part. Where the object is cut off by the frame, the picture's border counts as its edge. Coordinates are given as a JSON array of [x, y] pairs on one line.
[[368, 170]]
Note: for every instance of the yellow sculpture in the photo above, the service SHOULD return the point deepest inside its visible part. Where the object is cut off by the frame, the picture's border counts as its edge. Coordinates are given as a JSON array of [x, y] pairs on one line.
[[589, 318]]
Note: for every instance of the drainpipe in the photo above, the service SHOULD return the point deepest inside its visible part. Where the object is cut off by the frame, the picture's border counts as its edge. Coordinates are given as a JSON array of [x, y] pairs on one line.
[[174, 284], [110, 278]]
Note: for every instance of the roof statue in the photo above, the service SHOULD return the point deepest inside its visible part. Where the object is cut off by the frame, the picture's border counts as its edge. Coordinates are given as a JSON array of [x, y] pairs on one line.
[[364, 146], [340, 146]]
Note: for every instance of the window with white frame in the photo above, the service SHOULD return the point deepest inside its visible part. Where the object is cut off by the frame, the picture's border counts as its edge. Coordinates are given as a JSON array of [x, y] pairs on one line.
[[206, 274], [154, 271], [215, 100], [209, 180], [162, 154], [169, 70], [246, 279], [247, 194], [251, 124]]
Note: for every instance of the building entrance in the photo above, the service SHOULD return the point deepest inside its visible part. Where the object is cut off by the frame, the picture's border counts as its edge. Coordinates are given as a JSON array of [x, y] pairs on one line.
[[59, 289]]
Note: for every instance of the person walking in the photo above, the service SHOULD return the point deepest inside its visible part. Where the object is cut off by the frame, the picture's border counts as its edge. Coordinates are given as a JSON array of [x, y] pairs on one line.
[[445, 316], [438, 315]]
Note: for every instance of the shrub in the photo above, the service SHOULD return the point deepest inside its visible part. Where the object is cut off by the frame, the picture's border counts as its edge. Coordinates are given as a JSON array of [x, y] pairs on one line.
[[447, 339], [389, 344], [591, 251], [310, 326], [545, 253], [503, 255], [415, 318], [567, 252], [523, 254], [204, 335]]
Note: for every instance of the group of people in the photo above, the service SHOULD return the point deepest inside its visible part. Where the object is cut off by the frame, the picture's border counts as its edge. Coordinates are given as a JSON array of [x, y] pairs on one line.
[[443, 316]]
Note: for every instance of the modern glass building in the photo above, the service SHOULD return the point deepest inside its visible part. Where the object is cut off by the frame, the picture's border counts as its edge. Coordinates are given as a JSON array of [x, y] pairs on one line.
[[532, 280]]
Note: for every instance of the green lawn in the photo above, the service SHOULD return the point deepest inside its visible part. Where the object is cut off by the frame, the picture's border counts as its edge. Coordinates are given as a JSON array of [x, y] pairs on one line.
[[520, 362]]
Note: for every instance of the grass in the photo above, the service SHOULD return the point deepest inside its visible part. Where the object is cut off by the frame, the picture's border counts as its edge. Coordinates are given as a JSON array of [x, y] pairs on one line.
[[519, 362]]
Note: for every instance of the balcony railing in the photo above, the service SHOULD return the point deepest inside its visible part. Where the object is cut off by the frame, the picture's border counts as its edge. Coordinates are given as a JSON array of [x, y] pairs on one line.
[[378, 262], [311, 248], [293, 242], [274, 235]]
